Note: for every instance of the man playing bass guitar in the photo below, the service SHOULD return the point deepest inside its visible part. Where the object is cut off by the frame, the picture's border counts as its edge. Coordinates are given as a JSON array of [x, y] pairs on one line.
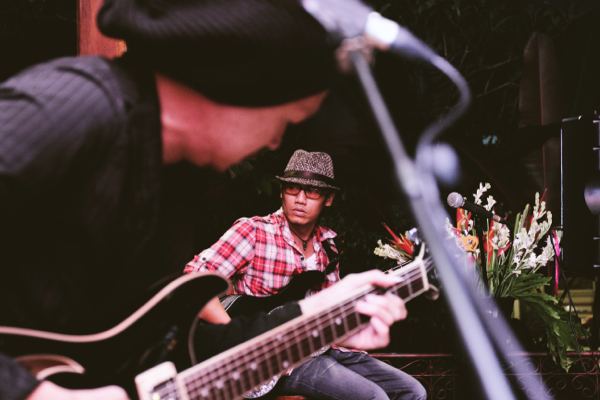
[[262, 254]]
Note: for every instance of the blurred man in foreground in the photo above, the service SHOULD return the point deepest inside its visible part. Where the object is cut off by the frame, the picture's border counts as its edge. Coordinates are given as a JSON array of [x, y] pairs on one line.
[[89, 148]]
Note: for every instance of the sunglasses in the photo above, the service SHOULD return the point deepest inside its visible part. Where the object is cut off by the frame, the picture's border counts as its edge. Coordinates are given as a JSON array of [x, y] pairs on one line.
[[309, 191]]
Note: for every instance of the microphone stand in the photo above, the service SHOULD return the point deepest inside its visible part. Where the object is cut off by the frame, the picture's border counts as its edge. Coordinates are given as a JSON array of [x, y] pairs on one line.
[[470, 310]]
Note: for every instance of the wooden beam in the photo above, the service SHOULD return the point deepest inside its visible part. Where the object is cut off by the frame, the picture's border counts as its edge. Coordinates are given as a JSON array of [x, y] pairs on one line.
[[89, 39]]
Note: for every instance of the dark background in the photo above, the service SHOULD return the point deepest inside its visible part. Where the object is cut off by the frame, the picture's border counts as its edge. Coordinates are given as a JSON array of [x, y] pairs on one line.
[[483, 39]]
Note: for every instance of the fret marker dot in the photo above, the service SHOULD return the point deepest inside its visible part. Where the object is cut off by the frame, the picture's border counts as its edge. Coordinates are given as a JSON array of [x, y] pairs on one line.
[[286, 364], [279, 337], [219, 384], [338, 321], [204, 392], [315, 333], [235, 375], [253, 366]]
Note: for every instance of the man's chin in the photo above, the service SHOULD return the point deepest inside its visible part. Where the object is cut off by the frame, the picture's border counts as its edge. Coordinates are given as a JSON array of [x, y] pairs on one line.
[[252, 157], [296, 220], [221, 168]]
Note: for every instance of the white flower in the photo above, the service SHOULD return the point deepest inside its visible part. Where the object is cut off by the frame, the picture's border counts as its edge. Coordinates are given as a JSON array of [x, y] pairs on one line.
[[520, 239], [546, 225], [482, 189], [516, 259], [546, 255], [490, 203], [495, 242], [503, 235], [530, 262], [387, 251], [469, 227]]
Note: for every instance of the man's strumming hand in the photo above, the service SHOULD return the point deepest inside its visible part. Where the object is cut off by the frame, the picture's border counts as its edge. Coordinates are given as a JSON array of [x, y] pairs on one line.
[[384, 309]]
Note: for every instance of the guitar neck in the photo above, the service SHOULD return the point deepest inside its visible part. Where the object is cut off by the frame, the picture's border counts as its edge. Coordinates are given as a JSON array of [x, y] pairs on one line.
[[233, 373]]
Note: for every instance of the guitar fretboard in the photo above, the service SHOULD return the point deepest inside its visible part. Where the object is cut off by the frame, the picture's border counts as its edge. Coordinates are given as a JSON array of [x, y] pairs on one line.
[[244, 367]]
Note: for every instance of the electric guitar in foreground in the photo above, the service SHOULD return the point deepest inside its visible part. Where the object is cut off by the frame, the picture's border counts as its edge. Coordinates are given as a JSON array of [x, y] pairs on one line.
[[115, 353]]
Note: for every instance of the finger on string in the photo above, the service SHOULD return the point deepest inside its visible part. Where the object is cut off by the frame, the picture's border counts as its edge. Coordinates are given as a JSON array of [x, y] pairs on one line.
[[374, 277], [380, 328], [391, 303], [372, 309]]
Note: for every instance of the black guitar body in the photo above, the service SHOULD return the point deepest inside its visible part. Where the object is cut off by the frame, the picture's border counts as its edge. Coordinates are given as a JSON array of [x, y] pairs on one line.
[[238, 304], [156, 332]]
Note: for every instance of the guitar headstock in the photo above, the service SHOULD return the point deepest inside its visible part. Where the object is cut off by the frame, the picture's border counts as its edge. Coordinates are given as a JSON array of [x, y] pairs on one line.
[[422, 263], [468, 243], [432, 276]]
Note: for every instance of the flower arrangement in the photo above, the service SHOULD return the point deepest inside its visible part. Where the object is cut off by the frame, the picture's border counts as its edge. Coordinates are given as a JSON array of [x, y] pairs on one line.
[[509, 264], [513, 264], [401, 248]]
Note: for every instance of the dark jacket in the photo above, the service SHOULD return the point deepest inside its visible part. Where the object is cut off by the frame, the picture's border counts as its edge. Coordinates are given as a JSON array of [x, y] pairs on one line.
[[88, 220]]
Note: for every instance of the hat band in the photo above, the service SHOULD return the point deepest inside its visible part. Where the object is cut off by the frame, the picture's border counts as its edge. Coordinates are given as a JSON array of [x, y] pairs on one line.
[[309, 175]]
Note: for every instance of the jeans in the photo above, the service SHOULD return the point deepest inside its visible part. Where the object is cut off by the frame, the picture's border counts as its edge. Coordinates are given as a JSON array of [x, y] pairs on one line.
[[350, 376]]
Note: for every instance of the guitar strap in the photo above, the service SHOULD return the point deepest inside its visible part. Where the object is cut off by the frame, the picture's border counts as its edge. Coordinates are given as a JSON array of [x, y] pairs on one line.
[[334, 257]]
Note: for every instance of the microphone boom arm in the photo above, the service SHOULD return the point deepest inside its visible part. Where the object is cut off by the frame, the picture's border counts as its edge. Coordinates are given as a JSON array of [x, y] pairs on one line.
[[349, 19], [469, 308], [416, 181]]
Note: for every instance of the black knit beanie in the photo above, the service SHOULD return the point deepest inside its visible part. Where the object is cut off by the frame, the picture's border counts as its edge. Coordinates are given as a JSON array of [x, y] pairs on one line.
[[238, 52]]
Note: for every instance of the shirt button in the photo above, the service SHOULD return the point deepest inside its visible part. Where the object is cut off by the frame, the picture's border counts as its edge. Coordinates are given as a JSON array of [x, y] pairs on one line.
[[301, 258]]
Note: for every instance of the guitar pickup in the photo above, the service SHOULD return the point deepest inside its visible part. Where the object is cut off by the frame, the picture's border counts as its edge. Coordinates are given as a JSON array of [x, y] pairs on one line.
[[159, 383]]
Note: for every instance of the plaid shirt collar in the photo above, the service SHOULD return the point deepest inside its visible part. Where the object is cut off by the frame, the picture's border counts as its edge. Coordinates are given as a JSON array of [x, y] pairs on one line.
[[278, 218]]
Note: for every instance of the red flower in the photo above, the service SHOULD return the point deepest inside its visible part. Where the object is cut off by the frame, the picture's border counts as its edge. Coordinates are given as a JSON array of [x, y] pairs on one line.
[[503, 249], [462, 217], [487, 244], [401, 242]]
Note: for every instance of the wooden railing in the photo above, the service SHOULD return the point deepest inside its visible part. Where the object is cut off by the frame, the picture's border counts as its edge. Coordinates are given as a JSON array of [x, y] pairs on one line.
[[448, 377]]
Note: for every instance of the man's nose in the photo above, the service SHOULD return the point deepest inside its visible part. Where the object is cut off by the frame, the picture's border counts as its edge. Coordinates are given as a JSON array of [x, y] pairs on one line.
[[301, 197], [275, 142]]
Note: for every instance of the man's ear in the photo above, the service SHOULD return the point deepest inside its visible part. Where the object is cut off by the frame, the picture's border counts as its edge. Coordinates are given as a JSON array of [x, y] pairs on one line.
[[281, 191], [329, 199]]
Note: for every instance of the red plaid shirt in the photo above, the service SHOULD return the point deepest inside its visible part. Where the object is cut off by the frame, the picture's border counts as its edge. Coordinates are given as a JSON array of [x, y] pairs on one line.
[[261, 257]]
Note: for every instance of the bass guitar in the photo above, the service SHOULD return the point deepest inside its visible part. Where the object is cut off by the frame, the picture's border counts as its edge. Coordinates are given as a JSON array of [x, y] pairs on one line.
[[240, 304], [228, 375], [295, 290]]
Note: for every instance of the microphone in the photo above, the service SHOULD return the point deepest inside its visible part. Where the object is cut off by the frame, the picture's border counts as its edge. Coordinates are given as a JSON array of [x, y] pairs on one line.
[[351, 18], [457, 201]]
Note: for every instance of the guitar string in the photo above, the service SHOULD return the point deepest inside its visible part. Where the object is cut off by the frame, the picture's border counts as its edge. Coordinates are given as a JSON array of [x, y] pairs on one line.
[[349, 307], [267, 372], [308, 351], [311, 324]]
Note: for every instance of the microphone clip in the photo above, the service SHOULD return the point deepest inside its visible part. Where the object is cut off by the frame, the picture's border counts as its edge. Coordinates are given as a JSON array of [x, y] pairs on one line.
[[349, 46]]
